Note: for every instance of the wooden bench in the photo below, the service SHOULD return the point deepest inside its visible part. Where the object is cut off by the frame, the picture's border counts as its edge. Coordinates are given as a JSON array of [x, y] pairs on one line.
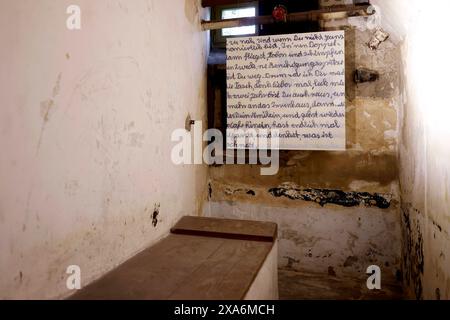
[[201, 259]]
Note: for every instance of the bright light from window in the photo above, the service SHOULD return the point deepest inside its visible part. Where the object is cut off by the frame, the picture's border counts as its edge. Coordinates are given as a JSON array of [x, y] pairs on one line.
[[238, 13]]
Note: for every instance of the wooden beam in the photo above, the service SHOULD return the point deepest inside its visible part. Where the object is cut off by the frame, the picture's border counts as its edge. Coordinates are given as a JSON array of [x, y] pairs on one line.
[[213, 3], [314, 15]]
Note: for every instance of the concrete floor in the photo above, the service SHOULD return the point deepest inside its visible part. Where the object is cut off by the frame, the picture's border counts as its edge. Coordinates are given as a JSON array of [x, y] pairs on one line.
[[297, 285]]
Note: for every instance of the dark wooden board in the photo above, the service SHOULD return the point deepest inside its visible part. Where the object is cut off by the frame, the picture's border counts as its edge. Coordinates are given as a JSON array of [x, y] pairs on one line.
[[227, 228], [187, 267]]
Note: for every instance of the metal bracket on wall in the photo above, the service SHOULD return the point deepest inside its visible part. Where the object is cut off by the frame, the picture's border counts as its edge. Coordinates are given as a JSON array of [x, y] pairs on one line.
[[365, 75], [188, 123]]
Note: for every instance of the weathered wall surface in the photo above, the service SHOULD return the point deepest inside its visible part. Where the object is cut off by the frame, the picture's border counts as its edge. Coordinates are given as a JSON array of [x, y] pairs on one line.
[[424, 147], [338, 212], [85, 124]]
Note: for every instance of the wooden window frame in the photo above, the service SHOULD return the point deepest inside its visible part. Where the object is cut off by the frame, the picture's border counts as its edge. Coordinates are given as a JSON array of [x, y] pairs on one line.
[[218, 40]]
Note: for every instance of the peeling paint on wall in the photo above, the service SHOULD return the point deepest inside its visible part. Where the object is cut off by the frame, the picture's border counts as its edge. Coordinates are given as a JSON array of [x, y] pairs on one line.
[[230, 192], [337, 197]]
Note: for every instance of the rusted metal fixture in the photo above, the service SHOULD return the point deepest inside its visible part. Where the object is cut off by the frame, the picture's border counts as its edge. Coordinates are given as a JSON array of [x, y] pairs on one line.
[[365, 75], [188, 123], [314, 15]]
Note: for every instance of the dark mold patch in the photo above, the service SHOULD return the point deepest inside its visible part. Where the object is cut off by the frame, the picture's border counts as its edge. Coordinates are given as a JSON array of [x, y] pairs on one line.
[[155, 215], [290, 262], [398, 275], [209, 191], [338, 197], [331, 271], [413, 259], [230, 192], [350, 261], [438, 227]]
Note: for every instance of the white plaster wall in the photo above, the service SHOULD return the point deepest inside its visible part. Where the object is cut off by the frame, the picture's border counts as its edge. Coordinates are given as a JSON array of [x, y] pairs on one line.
[[421, 30], [265, 284], [85, 124], [320, 239]]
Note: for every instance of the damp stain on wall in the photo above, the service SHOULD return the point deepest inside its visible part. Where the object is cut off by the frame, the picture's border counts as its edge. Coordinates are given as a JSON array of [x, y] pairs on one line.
[[412, 257], [47, 108], [290, 262], [331, 271], [350, 261], [328, 196], [209, 191]]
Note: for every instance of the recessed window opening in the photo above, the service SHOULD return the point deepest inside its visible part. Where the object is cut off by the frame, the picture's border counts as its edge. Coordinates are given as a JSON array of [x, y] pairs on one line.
[[234, 13]]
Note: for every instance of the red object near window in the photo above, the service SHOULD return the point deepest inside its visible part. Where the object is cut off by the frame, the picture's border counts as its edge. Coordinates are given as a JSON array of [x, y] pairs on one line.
[[279, 13]]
